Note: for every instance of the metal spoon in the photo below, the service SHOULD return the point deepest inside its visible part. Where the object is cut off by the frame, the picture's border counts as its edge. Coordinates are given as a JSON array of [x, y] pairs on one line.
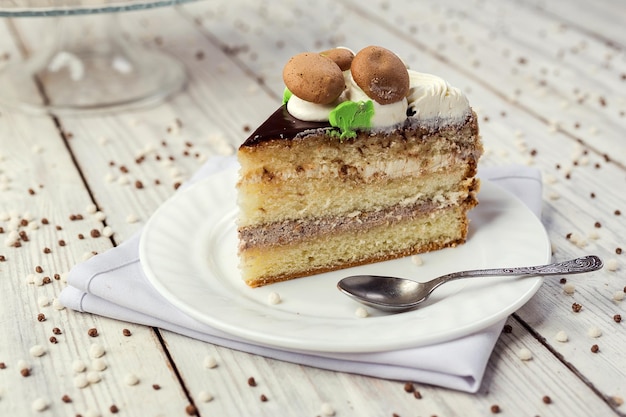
[[400, 294]]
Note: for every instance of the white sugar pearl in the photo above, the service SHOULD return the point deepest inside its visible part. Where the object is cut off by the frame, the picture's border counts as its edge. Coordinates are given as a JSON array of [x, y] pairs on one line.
[[99, 364], [123, 180], [40, 404], [37, 351], [525, 354], [210, 362], [612, 265], [594, 332], [361, 312], [78, 366], [93, 377], [22, 365], [81, 381], [96, 351], [327, 410], [569, 288], [618, 295], [56, 304], [131, 379], [205, 396], [561, 337], [43, 301]]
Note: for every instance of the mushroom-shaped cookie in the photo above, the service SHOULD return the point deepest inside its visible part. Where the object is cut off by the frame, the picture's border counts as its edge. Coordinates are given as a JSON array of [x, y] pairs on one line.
[[380, 74], [314, 78], [342, 57]]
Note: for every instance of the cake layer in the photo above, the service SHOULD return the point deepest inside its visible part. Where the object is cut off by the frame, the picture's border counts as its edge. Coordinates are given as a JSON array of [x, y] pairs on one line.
[[262, 203], [395, 153], [421, 232], [291, 230]]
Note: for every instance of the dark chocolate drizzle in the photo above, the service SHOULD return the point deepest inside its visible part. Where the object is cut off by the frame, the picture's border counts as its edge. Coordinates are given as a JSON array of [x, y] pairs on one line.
[[282, 125]]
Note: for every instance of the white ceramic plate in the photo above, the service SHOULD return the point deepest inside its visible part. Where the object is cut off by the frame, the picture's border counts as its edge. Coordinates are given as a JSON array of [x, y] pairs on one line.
[[188, 251]]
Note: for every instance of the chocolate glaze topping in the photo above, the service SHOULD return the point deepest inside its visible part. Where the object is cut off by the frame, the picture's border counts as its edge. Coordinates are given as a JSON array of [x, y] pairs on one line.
[[282, 125]]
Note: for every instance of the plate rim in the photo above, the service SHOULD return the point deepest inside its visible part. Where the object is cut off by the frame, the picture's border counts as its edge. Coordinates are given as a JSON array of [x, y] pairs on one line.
[[281, 341]]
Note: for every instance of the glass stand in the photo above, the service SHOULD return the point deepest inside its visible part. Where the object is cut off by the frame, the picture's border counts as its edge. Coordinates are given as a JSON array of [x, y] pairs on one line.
[[89, 68]]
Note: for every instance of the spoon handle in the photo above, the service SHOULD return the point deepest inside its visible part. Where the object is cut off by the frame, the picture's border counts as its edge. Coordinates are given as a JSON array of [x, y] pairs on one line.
[[573, 266]]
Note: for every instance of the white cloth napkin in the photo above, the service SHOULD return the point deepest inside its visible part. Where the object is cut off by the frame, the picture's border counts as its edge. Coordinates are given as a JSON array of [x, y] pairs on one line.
[[113, 284]]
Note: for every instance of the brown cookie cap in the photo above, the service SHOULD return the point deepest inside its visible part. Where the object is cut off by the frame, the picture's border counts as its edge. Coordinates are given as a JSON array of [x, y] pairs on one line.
[[380, 74], [342, 56], [314, 78]]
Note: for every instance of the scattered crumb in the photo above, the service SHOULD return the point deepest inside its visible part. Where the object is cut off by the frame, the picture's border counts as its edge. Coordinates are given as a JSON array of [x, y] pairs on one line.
[[594, 332], [576, 307], [618, 295], [251, 382], [495, 409], [417, 260], [561, 337], [210, 362], [191, 410], [525, 354], [273, 298], [595, 348], [131, 218]]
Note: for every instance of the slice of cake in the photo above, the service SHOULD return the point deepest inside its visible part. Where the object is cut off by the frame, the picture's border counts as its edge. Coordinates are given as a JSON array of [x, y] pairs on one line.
[[366, 161]]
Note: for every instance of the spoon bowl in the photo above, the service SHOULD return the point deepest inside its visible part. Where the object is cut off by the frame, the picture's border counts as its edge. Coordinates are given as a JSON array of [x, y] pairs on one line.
[[393, 294]]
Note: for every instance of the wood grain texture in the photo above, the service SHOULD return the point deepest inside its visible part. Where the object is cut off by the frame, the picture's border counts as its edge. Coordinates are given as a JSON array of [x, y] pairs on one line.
[[548, 82]]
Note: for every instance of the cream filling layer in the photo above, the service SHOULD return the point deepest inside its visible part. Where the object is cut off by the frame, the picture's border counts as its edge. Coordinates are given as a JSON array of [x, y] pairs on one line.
[[374, 169], [291, 231]]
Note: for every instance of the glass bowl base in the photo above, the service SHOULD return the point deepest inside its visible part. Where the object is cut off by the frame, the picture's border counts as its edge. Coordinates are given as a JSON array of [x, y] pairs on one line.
[[82, 75]]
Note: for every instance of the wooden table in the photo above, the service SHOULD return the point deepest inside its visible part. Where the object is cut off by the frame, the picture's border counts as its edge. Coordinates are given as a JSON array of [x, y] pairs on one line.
[[548, 80]]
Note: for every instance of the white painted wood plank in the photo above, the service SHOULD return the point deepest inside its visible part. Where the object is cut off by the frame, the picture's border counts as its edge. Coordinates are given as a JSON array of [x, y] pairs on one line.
[[202, 112], [40, 190]]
